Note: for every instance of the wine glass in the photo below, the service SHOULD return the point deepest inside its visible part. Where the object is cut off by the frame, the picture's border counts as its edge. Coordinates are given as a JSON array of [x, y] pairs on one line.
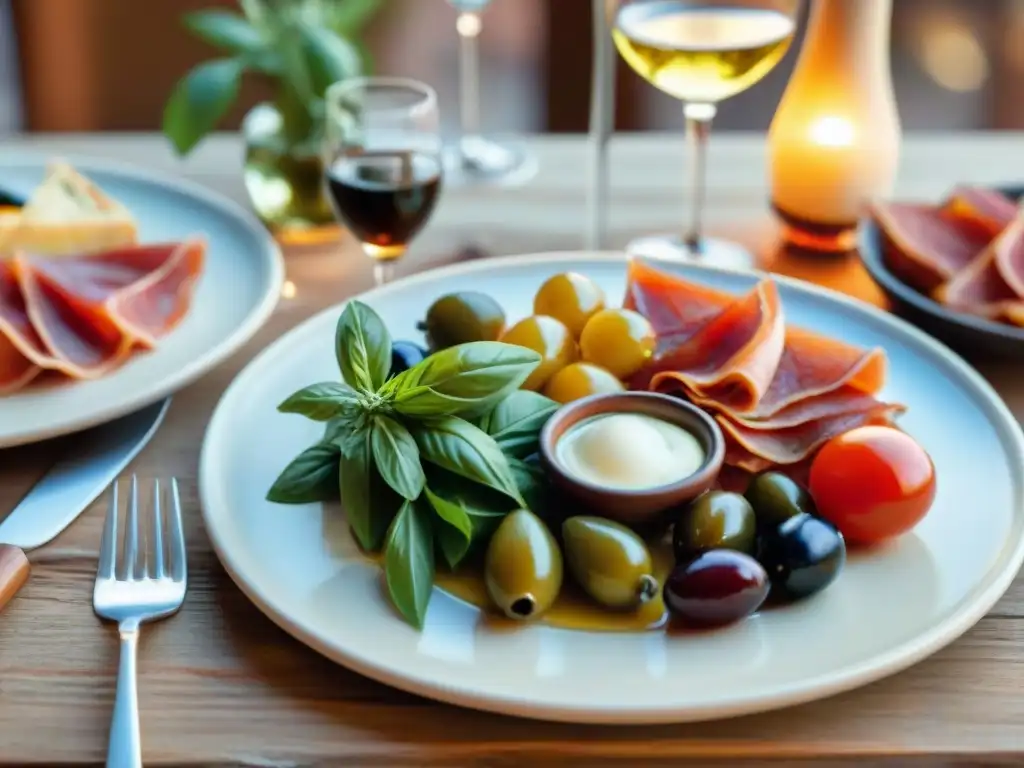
[[476, 159], [700, 53], [382, 160]]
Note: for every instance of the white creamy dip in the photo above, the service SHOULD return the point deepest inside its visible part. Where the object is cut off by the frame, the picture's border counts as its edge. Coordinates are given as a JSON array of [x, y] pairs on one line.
[[629, 451]]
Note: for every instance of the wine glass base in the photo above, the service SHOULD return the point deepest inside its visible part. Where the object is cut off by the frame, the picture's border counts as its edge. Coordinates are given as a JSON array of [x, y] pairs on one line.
[[477, 161], [711, 251]]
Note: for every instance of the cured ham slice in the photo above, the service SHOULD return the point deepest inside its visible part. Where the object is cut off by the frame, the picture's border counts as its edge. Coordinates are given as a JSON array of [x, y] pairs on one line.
[[676, 309], [992, 285], [925, 246], [986, 209], [758, 449], [734, 356], [83, 316], [778, 393], [137, 293], [20, 345]]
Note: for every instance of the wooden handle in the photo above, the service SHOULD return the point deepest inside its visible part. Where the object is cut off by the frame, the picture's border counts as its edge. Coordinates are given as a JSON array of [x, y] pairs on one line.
[[14, 570]]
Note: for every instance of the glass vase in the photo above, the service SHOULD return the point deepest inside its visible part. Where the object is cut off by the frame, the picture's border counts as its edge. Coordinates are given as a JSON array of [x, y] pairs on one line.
[[284, 179]]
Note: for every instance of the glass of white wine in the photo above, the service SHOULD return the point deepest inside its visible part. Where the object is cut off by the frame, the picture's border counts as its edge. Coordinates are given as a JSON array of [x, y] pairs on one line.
[[477, 159], [700, 53]]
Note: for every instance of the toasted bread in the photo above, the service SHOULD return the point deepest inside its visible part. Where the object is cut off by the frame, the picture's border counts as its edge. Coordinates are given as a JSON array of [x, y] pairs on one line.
[[67, 214]]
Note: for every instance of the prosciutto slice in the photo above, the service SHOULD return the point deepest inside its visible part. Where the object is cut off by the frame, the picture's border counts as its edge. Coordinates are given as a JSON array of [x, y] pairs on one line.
[[925, 246], [987, 210], [778, 393], [83, 316], [992, 285]]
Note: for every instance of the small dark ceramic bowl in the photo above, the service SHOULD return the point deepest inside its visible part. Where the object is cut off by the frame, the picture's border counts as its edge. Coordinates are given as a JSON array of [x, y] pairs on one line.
[[972, 336], [636, 508]]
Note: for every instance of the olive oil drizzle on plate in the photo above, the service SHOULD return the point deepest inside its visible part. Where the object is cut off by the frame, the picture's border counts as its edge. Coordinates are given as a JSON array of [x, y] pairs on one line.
[[572, 610]]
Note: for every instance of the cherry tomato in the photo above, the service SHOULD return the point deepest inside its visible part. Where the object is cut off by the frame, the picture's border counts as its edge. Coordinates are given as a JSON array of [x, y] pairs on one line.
[[872, 483]]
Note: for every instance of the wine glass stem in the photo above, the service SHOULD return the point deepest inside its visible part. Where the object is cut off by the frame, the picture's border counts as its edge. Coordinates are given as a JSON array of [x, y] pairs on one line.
[[383, 272], [698, 129], [469, 26]]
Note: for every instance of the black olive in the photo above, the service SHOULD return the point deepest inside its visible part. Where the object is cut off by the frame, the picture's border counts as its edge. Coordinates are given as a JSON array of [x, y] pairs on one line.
[[716, 587], [714, 520], [802, 556], [776, 498], [404, 355]]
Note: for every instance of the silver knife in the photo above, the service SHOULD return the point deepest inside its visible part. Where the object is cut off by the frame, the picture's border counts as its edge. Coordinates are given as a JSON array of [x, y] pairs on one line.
[[90, 462]]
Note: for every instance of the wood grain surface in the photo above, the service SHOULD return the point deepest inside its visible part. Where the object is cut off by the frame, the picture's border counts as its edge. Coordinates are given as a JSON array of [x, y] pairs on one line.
[[221, 685]]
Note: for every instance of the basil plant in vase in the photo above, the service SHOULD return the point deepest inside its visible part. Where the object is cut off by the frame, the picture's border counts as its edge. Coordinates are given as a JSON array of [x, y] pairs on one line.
[[300, 47]]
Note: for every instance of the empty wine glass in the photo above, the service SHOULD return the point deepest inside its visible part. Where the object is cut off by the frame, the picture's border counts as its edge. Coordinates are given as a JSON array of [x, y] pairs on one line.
[[700, 53], [383, 163], [476, 159]]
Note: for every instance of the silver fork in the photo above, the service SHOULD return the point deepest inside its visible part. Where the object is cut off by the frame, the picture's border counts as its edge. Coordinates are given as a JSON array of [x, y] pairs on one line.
[[145, 583]]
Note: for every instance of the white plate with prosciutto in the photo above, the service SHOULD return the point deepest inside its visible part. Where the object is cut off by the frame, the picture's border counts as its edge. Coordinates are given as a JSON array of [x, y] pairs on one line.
[[578, 487], [117, 287]]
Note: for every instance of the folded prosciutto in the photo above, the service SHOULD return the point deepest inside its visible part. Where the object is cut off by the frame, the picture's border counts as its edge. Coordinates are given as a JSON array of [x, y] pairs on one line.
[[966, 252], [779, 392], [83, 316]]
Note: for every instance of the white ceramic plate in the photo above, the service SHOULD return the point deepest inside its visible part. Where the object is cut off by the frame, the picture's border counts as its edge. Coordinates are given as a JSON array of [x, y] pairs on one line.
[[236, 293], [885, 612]]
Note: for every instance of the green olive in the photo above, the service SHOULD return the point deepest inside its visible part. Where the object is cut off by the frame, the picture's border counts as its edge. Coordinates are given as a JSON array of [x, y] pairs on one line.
[[776, 498], [523, 566], [714, 520], [462, 317], [609, 562]]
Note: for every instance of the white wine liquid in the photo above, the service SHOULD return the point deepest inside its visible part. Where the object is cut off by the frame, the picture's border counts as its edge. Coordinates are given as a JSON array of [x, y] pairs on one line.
[[699, 53]]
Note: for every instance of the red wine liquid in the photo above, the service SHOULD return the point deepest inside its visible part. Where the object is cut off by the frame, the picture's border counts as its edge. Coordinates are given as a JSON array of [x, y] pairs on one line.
[[385, 198]]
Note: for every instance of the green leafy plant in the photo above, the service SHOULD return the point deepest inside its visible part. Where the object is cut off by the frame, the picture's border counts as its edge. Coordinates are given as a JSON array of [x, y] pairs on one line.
[[302, 46], [426, 461]]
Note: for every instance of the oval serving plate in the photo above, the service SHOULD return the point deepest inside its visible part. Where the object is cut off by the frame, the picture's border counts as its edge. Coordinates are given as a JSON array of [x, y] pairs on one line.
[[237, 292], [885, 612], [973, 336]]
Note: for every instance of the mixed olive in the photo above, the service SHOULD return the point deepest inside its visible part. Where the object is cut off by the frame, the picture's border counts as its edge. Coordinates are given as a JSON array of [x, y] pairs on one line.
[[732, 550], [587, 348]]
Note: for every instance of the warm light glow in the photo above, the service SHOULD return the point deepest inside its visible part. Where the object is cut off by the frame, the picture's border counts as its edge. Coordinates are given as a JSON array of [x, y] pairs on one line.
[[832, 132], [954, 58], [288, 290], [468, 24]]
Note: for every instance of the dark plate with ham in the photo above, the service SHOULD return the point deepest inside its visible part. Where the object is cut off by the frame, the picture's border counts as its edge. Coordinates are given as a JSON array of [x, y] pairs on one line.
[[954, 268]]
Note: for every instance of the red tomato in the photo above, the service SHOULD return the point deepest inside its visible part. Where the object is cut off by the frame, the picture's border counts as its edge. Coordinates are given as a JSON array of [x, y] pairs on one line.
[[872, 483]]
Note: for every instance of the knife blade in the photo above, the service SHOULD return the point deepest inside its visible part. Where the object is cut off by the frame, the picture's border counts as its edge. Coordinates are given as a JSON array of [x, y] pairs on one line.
[[89, 463]]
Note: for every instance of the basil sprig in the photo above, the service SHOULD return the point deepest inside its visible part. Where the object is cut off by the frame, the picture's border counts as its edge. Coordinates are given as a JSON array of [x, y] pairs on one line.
[[428, 460]]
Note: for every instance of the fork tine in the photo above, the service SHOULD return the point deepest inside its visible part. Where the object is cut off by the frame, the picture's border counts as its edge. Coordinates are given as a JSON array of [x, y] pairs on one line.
[[176, 551], [131, 544], [108, 544], [157, 534]]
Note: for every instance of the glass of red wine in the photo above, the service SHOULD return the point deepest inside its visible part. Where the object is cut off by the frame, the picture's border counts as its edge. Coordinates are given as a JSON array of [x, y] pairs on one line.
[[383, 163]]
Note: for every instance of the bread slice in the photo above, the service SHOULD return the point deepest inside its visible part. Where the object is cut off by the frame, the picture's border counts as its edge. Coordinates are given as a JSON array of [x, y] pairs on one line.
[[66, 215]]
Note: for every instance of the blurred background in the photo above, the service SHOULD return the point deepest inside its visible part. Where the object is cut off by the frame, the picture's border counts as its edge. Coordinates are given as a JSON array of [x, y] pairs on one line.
[[109, 65]]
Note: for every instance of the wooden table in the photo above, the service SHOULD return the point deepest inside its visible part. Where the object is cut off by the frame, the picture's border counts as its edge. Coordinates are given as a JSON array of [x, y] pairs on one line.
[[221, 685]]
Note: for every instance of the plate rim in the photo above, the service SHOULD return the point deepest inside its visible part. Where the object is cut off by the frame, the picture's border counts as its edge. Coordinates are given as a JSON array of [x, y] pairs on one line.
[[883, 665], [270, 252]]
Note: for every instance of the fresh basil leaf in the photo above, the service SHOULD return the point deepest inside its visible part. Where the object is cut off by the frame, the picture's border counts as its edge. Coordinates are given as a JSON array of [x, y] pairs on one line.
[[466, 450], [455, 533], [470, 512], [397, 457], [322, 401], [347, 431], [311, 476], [515, 423], [363, 347], [409, 561], [464, 379], [355, 478], [533, 484]]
